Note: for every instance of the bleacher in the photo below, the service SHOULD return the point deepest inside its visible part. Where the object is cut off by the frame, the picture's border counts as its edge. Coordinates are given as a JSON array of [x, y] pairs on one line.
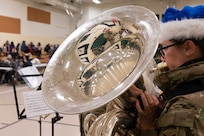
[[43, 59], [41, 67]]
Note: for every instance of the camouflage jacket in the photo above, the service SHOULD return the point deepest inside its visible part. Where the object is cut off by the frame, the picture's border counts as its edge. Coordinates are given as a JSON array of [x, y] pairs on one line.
[[169, 80], [183, 116]]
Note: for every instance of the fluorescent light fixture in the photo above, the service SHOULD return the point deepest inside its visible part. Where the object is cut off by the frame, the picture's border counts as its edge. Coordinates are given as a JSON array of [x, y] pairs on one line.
[[97, 1]]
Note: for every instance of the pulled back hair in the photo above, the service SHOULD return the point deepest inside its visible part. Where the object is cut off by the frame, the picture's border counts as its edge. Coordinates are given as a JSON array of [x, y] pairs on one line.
[[198, 42]]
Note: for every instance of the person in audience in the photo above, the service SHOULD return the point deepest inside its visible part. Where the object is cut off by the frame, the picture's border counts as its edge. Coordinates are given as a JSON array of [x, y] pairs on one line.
[[27, 60], [38, 50], [31, 48], [14, 54], [8, 59], [18, 48], [47, 48], [6, 48], [11, 47], [24, 47], [9, 62]]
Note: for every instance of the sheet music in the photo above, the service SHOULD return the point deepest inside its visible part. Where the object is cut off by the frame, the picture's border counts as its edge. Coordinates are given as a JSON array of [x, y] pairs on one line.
[[31, 81], [35, 104]]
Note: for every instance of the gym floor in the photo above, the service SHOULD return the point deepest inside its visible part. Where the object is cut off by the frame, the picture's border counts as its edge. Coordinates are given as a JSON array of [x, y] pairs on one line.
[[10, 125]]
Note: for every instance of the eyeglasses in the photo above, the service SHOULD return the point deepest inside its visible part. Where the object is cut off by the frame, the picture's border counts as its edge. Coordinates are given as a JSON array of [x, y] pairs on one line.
[[161, 50]]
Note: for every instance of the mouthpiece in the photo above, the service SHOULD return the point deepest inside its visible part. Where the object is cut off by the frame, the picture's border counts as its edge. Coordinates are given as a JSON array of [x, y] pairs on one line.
[[162, 66]]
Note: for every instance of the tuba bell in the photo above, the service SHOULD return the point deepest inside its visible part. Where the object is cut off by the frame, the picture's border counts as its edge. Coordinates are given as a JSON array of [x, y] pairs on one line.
[[97, 64]]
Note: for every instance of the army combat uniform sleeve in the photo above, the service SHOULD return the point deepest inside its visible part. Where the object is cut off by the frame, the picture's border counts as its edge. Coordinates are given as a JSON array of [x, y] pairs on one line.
[[182, 116]]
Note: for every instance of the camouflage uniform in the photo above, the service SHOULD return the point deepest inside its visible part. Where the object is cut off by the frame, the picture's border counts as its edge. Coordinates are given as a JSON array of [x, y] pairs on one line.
[[183, 115]]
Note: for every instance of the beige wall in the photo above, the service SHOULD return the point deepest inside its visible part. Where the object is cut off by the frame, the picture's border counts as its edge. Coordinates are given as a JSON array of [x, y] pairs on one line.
[[62, 24], [59, 28]]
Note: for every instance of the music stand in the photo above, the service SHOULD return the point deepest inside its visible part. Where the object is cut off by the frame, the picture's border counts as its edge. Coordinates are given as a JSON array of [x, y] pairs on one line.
[[31, 75]]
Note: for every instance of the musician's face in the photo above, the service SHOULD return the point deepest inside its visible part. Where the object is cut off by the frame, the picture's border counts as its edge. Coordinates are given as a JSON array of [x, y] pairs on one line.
[[172, 55]]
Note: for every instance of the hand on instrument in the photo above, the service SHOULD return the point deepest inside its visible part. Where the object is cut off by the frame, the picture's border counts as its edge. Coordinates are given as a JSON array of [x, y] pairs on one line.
[[147, 108]]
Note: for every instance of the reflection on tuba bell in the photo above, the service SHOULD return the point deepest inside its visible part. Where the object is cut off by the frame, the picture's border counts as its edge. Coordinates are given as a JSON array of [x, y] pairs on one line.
[[98, 62]]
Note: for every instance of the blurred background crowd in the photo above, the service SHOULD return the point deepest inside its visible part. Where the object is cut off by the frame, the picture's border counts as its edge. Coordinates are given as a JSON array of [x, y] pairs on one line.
[[22, 55]]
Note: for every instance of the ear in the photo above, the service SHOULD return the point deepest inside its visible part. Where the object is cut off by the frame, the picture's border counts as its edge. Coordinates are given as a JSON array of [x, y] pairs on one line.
[[189, 48]]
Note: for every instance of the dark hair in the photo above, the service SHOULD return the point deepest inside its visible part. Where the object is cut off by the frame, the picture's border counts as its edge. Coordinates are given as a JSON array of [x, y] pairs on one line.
[[198, 42]]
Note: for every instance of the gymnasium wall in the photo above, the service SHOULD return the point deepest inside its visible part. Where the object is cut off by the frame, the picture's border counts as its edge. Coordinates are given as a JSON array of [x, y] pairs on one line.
[[33, 23], [54, 26]]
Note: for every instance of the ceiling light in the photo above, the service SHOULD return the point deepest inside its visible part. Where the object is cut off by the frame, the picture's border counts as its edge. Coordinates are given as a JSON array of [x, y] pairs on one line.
[[97, 1]]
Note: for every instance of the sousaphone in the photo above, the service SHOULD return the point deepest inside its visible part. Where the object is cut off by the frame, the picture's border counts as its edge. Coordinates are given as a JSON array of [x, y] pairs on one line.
[[101, 59]]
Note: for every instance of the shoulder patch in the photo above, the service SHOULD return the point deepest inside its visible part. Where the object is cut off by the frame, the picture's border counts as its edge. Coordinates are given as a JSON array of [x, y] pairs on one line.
[[169, 132]]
